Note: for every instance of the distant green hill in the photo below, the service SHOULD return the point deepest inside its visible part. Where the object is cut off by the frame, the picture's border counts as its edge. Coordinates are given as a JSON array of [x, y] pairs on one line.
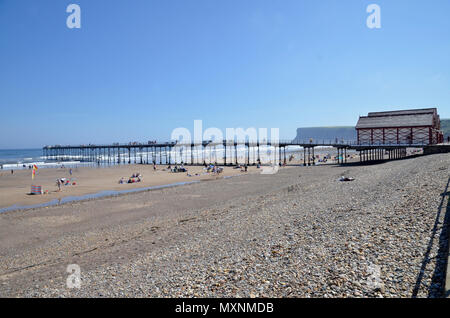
[[445, 126]]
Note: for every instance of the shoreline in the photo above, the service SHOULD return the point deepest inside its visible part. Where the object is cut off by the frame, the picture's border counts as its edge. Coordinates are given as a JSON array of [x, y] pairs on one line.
[[94, 182], [90, 196], [103, 194]]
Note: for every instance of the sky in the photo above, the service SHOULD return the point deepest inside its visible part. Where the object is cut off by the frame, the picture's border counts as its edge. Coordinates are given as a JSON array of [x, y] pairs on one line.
[[136, 70]]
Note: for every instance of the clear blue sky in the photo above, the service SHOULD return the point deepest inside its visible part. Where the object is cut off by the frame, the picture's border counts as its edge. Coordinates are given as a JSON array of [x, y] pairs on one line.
[[138, 69]]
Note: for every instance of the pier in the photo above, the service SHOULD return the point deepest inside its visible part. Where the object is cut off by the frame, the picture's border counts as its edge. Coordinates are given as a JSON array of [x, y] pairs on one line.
[[226, 152], [380, 136]]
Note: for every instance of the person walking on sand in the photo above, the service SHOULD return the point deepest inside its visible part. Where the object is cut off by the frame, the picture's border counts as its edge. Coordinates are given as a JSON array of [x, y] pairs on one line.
[[58, 183]]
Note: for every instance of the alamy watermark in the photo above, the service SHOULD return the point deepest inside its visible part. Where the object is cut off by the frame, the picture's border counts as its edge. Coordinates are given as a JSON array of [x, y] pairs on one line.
[[233, 137], [374, 278], [374, 19], [74, 279], [74, 19]]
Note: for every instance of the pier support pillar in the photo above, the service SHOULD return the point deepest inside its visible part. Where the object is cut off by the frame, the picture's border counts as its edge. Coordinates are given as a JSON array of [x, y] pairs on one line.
[[304, 156], [225, 154], [259, 158]]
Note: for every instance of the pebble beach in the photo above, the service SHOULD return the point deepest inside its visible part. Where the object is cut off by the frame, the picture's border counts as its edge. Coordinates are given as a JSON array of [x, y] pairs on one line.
[[298, 233]]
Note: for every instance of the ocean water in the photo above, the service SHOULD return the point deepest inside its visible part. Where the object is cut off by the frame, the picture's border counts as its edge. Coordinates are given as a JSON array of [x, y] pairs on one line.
[[23, 158], [17, 156]]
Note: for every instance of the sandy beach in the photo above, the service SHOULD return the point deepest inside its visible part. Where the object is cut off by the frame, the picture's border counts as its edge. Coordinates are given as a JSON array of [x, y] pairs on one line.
[[298, 233], [15, 188]]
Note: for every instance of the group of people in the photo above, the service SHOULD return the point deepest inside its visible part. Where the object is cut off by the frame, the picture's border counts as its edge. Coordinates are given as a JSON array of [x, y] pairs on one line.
[[135, 177], [177, 168], [213, 169], [64, 182]]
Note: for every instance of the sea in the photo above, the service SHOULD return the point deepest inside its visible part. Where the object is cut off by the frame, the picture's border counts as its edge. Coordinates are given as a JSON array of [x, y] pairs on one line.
[[24, 158]]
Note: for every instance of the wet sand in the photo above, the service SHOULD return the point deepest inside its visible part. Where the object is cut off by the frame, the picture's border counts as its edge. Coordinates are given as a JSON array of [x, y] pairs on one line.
[[15, 188]]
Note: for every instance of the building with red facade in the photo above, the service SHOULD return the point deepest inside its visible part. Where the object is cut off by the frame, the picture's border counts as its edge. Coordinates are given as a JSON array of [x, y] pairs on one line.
[[402, 127]]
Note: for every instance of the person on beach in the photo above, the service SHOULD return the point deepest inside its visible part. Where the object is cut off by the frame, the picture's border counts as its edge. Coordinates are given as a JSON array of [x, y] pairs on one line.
[[12, 171], [154, 166], [58, 184], [70, 171]]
